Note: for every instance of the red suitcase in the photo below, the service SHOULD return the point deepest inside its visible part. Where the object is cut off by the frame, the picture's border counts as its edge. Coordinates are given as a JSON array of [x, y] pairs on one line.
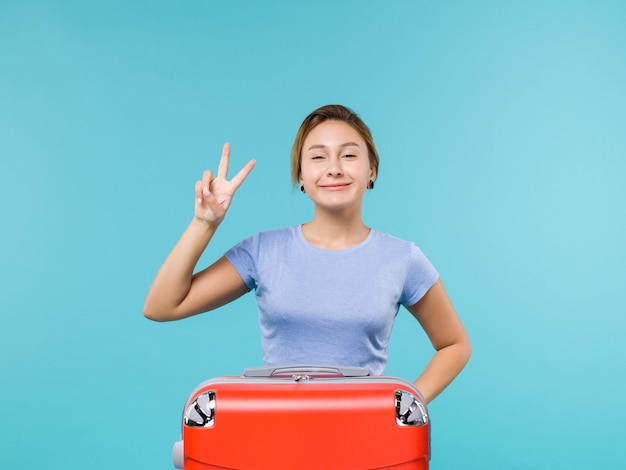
[[304, 417]]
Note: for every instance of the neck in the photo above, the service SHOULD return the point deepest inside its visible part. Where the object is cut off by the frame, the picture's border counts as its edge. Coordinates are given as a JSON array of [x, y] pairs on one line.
[[335, 231]]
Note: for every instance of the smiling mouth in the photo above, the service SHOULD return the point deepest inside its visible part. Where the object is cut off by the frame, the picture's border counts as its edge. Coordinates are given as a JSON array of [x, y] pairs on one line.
[[335, 187]]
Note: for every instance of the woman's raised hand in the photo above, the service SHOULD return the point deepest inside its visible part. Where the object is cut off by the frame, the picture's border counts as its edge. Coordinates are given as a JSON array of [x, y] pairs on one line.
[[215, 193]]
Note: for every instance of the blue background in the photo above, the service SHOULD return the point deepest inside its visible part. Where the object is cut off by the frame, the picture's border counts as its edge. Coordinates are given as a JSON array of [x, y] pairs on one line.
[[501, 132]]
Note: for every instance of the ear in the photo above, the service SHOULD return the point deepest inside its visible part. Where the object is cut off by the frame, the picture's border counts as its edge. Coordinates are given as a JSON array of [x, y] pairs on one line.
[[372, 173]]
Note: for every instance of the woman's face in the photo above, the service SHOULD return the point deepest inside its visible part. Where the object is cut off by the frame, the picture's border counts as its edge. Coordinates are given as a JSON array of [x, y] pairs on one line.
[[335, 166]]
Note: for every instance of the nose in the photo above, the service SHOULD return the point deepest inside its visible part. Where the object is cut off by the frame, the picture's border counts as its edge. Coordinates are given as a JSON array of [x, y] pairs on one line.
[[334, 167]]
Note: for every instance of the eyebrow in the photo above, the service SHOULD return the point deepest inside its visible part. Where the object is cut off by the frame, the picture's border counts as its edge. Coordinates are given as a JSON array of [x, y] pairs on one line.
[[320, 146]]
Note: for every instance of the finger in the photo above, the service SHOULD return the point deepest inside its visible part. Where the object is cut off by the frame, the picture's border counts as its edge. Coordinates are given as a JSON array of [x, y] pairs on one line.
[[243, 174], [207, 177], [222, 170], [198, 192], [202, 191]]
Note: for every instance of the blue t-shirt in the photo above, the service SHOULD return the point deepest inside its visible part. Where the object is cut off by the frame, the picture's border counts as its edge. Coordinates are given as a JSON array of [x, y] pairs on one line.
[[319, 306]]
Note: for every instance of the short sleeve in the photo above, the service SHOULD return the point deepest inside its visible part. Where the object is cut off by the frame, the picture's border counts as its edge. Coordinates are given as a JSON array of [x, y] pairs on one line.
[[420, 276], [243, 257]]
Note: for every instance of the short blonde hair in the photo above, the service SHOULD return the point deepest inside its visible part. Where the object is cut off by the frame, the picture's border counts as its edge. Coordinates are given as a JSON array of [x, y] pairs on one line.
[[330, 112]]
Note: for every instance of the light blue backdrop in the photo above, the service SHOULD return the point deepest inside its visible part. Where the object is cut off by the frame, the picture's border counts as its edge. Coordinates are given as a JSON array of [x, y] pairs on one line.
[[501, 131]]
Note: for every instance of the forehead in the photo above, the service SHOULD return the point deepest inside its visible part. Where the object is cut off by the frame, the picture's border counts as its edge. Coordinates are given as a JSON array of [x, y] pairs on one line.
[[333, 133]]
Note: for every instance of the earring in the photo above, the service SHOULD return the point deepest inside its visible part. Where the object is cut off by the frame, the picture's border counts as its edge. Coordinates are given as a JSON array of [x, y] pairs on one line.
[[370, 185], [302, 189]]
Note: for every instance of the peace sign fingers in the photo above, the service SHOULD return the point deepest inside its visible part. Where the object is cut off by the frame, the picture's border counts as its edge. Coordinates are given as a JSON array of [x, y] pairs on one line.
[[222, 169], [214, 193]]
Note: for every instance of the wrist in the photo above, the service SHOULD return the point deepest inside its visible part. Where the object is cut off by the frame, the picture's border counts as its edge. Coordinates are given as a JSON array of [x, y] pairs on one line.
[[203, 225]]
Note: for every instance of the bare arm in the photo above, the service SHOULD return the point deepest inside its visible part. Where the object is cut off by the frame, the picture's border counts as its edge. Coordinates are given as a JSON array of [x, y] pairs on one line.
[[441, 323], [178, 293]]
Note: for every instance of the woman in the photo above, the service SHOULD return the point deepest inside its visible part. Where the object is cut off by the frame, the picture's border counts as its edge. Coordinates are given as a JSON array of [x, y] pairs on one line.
[[328, 290]]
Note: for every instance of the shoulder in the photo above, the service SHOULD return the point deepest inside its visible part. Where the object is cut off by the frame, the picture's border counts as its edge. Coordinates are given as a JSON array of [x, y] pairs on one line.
[[404, 251], [284, 232], [384, 240], [276, 237], [262, 246]]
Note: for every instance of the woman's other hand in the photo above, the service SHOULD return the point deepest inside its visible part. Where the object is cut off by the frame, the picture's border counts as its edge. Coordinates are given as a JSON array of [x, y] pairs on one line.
[[215, 193]]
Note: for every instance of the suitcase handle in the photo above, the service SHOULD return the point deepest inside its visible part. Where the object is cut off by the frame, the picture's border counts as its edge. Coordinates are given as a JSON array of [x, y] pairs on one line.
[[300, 369]]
